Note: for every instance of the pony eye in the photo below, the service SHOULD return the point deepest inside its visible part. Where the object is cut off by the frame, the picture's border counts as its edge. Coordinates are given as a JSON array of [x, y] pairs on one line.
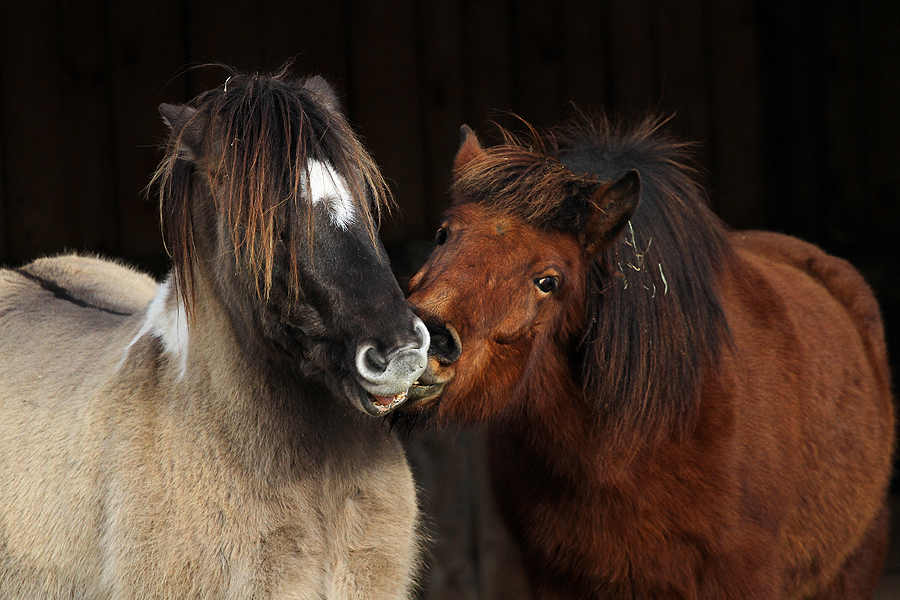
[[548, 284], [441, 236]]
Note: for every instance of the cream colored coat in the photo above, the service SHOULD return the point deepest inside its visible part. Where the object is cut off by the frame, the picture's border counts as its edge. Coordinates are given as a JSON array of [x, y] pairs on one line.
[[141, 460]]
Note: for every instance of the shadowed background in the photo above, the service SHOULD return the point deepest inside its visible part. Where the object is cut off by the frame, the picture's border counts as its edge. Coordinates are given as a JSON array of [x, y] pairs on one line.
[[795, 105]]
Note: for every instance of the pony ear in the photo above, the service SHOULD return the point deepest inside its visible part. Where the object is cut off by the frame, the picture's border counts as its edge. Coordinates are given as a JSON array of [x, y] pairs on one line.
[[323, 92], [176, 116], [611, 207], [184, 124], [469, 148]]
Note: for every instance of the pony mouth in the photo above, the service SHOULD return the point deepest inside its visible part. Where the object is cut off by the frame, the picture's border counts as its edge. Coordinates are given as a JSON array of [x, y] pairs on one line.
[[429, 387], [382, 405], [423, 394]]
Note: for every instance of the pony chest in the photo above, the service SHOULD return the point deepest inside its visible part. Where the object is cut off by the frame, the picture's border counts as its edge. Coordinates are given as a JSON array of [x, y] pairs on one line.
[[582, 534], [327, 533], [353, 542]]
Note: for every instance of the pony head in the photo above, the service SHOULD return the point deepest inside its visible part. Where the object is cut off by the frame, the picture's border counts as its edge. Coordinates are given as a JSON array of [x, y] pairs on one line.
[[503, 292], [574, 274], [270, 208]]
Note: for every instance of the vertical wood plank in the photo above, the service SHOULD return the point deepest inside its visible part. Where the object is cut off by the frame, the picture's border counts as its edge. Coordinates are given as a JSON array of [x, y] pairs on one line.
[[538, 52], [263, 37], [843, 124], [225, 32], [32, 121], [147, 54], [385, 103], [794, 155], [585, 77], [84, 85], [737, 139], [443, 101], [489, 65], [631, 47], [880, 92], [315, 34], [681, 38]]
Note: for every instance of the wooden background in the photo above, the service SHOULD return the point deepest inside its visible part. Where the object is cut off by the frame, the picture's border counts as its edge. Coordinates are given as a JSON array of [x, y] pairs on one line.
[[795, 103]]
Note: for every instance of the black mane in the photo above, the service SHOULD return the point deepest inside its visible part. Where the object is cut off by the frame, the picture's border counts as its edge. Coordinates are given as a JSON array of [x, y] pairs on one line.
[[654, 319], [655, 322]]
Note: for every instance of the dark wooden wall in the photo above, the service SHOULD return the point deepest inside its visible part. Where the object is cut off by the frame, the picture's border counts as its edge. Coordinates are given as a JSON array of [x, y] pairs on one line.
[[795, 105]]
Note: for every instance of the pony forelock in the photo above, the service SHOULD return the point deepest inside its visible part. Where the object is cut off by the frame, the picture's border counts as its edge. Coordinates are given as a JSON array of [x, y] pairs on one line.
[[257, 146]]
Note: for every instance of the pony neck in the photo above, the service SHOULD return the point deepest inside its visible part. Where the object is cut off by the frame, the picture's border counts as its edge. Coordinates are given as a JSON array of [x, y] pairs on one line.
[[550, 420], [556, 429], [265, 414]]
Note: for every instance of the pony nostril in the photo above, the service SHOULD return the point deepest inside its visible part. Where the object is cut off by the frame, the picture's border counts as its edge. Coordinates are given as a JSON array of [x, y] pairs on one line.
[[423, 337], [374, 361], [391, 373], [445, 343]]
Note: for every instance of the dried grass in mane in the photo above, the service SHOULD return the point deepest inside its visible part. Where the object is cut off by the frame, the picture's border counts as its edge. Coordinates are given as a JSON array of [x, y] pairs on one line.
[[254, 136], [655, 323]]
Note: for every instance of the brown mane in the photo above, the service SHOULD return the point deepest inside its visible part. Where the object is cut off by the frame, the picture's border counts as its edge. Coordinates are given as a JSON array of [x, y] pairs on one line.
[[520, 178], [654, 320], [255, 134]]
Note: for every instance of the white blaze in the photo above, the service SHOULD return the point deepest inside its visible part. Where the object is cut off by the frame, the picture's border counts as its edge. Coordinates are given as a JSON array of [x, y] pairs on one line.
[[328, 187]]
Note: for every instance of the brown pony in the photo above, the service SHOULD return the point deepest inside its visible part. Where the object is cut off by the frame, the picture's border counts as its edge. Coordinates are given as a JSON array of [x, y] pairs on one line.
[[676, 410]]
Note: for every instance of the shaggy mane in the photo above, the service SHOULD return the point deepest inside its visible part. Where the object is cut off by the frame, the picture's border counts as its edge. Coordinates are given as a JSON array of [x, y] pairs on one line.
[[654, 322], [257, 134], [521, 178]]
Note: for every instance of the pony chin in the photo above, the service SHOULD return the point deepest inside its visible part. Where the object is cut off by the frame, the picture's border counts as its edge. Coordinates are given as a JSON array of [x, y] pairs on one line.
[[481, 391], [373, 405]]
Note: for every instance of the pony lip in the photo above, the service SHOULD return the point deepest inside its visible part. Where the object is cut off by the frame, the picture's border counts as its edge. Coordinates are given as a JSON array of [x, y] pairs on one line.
[[382, 405], [421, 396], [430, 384]]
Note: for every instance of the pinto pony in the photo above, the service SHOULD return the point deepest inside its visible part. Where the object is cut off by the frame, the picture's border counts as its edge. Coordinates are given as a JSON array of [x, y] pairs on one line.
[[676, 410], [218, 435]]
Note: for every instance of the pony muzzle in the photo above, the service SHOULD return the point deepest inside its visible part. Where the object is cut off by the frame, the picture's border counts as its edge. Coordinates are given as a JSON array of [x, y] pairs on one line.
[[444, 350], [388, 377]]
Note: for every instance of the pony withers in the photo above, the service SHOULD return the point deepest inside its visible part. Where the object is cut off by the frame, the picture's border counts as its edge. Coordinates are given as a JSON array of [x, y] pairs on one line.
[[676, 410], [218, 435]]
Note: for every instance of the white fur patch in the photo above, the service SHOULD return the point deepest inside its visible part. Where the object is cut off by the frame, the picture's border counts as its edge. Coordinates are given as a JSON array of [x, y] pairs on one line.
[[166, 319], [326, 185]]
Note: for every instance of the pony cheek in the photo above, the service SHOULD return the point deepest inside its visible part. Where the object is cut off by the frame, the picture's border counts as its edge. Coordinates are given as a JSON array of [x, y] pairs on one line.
[[483, 376], [519, 322], [437, 301]]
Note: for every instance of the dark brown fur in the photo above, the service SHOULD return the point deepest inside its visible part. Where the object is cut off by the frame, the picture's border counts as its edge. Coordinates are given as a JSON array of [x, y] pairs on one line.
[[693, 412]]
